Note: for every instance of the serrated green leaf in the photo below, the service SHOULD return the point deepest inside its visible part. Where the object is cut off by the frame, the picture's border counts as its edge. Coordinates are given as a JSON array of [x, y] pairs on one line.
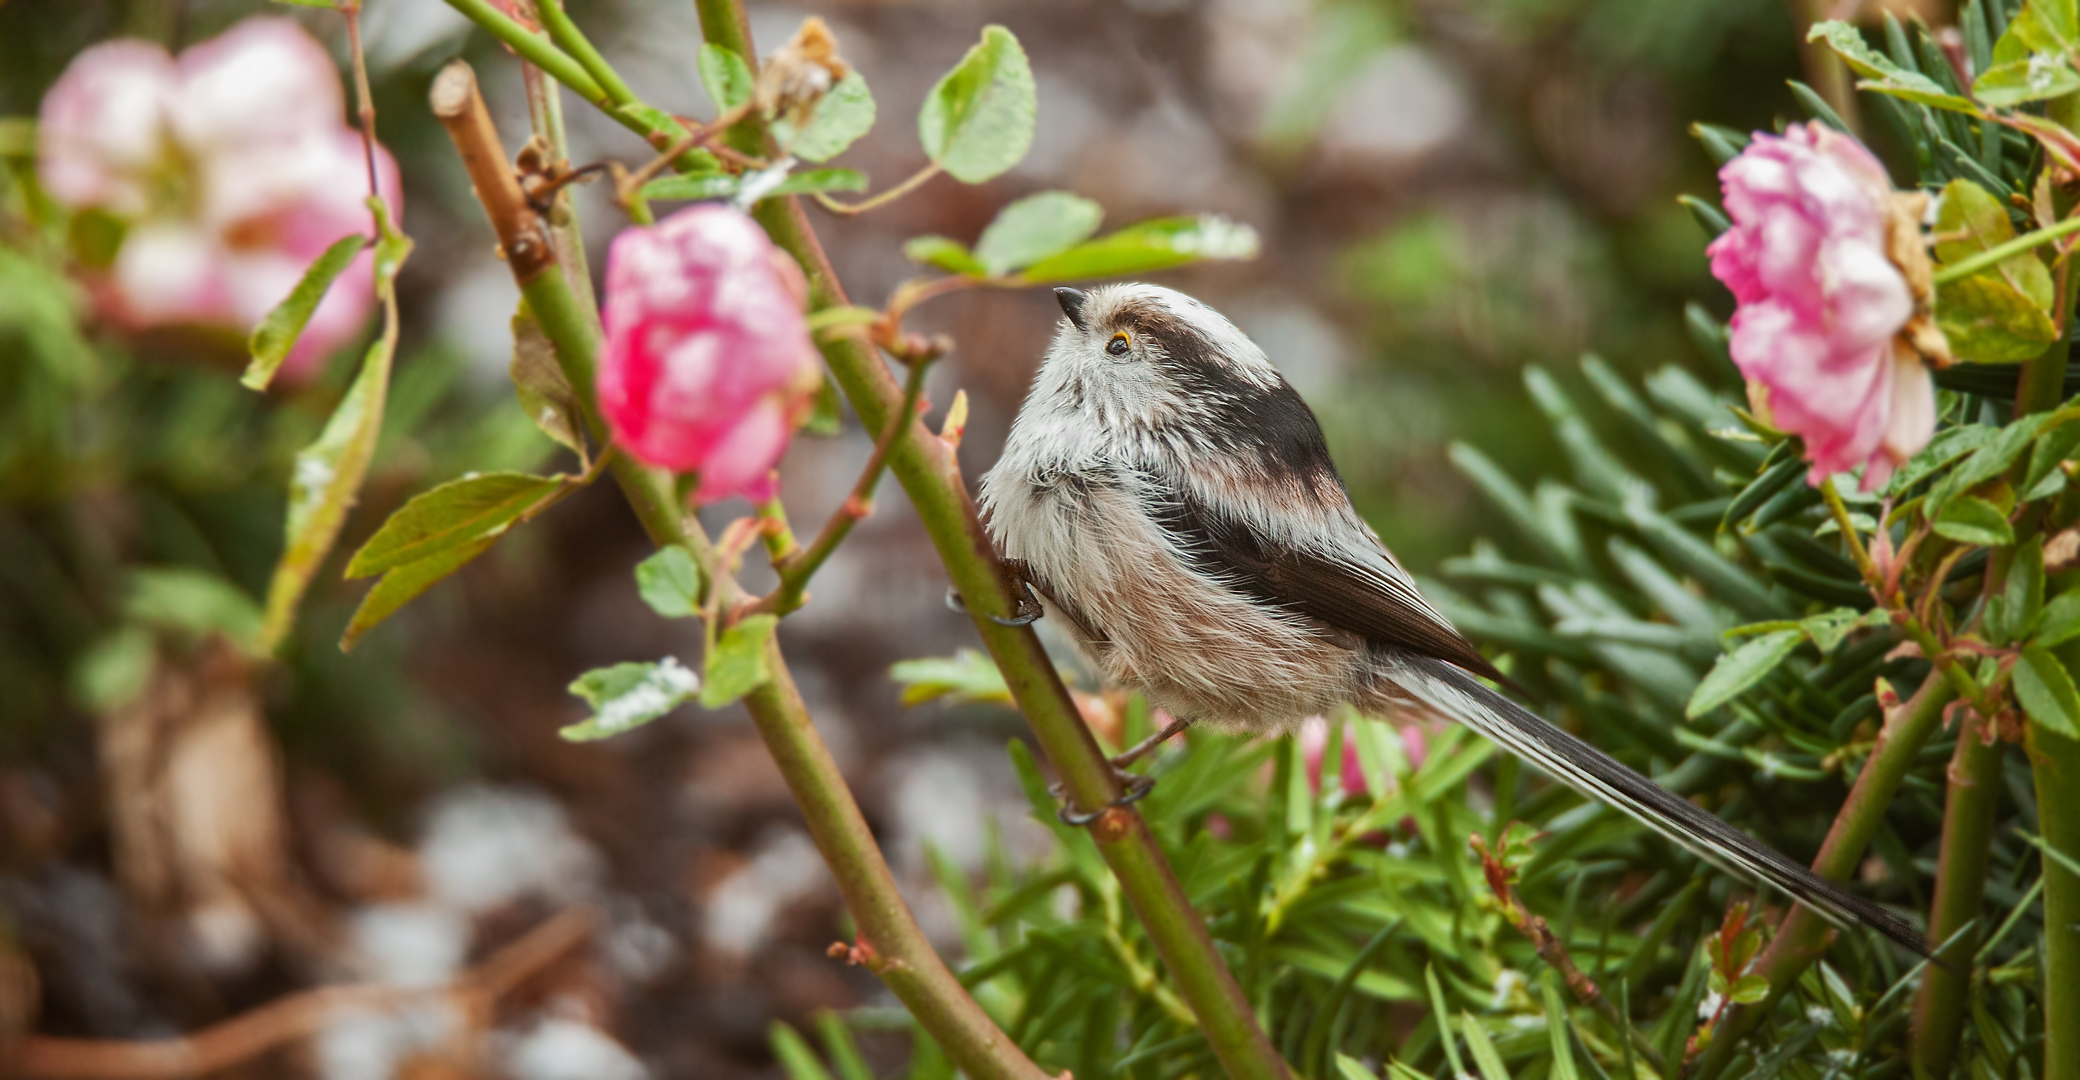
[[275, 337], [627, 696], [841, 117], [1147, 247], [946, 254], [2018, 82], [2044, 26], [1987, 321], [1036, 227], [327, 475], [670, 583], [2022, 595], [725, 76], [191, 601], [2059, 622], [736, 664], [966, 676], [1742, 668], [698, 186], [2046, 692], [1880, 74], [1748, 989], [459, 512], [545, 395], [978, 120], [1970, 519], [406, 583]]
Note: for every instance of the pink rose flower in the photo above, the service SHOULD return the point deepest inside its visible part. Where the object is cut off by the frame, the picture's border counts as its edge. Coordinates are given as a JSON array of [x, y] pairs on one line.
[[1821, 302], [708, 365], [233, 168]]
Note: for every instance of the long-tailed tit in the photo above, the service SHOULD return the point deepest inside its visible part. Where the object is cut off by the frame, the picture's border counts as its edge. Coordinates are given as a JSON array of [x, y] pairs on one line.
[[1172, 500]]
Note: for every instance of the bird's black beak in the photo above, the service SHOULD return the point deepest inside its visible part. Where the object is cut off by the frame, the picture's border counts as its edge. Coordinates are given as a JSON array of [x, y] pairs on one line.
[[1072, 301]]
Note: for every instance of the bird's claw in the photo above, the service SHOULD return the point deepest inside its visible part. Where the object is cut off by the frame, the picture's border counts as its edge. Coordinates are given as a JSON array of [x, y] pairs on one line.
[[1026, 607], [1137, 786]]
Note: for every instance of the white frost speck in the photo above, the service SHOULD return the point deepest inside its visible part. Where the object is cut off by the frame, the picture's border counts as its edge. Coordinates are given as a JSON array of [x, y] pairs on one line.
[[313, 473], [485, 847], [741, 909], [1820, 1014], [1709, 1007], [668, 684], [1506, 980], [410, 944], [560, 1049]]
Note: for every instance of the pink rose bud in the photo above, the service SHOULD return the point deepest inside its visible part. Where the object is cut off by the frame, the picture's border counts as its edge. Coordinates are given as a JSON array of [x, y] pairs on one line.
[[708, 365], [1823, 307], [233, 168]]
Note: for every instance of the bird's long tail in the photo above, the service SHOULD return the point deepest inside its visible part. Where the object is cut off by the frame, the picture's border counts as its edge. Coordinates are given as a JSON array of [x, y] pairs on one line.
[[1445, 688]]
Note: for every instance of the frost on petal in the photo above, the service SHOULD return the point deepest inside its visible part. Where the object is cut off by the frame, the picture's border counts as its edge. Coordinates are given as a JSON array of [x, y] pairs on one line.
[[102, 128]]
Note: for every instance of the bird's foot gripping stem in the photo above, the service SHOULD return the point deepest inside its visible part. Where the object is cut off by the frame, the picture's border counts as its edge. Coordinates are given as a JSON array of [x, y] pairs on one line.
[[1135, 786], [1026, 608]]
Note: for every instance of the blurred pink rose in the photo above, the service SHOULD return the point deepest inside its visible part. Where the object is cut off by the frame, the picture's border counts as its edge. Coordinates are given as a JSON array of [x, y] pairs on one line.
[[1822, 304], [708, 365], [233, 167]]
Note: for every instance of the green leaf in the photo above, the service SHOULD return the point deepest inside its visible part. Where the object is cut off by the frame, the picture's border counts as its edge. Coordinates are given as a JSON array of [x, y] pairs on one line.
[[2059, 622], [947, 255], [2043, 26], [670, 583], [1829, 628], [2022, 595], [696, 187], [1748, 989], [192, 601], [724, 185], [1742, 668], [545, 395], [405, 584], [1147, 247], [1036, 227], [2000, 315], [1880, 74], [459, 512], [841, 117], [627, 696], [1350, 1068], [840, 1047], [725, 76], [2051, 449], [736, 664], [1987, 322], [114, 669], [2021, 81], [796, 1058], [2045, 689], [966, 676], [1988, 461], [978, 121], [658, 124], [1970, 519], [275, 337]]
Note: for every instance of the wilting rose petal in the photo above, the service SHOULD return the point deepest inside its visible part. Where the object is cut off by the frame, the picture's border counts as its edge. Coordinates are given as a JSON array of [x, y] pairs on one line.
[[708, 366], [234, 168], [1820, 301]]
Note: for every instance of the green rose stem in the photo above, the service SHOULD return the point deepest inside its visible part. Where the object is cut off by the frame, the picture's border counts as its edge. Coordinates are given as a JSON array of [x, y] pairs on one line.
[[930, 475], [1941, 1004], [890, 942], [1805, 935]]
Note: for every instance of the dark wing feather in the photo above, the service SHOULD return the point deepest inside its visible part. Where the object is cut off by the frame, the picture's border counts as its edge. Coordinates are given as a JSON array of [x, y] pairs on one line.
[[1376, 603]]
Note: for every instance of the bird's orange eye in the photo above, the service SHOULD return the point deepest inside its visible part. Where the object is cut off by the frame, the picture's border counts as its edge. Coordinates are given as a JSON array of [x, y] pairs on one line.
[[1118, 345]]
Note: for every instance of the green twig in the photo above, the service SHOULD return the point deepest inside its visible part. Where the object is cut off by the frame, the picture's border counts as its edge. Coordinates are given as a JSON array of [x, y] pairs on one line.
[[1804, 935], [931, 477], [571, 40], [1994, 256], [890, 942]]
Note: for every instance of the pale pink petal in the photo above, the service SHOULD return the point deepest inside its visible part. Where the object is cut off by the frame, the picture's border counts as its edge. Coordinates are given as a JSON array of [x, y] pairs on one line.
[[102, 129], [170, 272], [264, 80], [742, 461]]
